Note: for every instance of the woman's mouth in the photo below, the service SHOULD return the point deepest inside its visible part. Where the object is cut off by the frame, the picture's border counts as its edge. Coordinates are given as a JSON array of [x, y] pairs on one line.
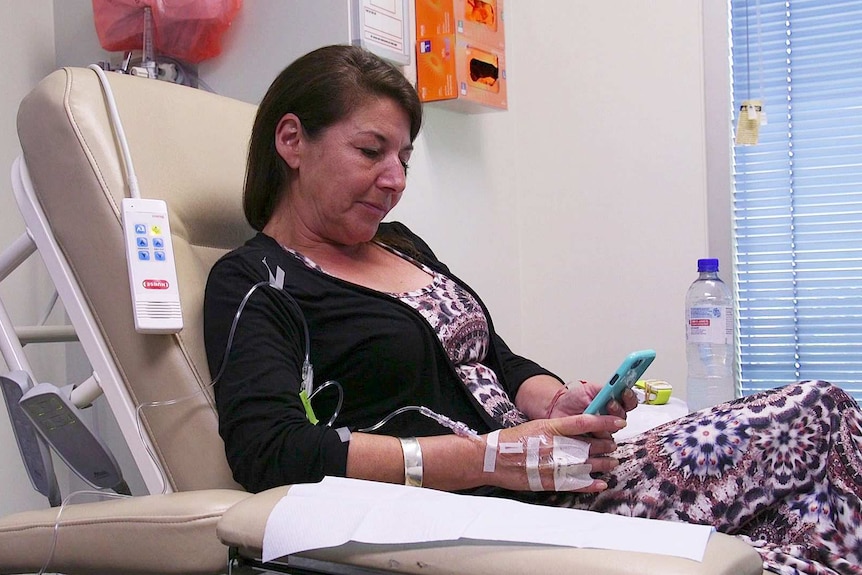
[[376, 208]]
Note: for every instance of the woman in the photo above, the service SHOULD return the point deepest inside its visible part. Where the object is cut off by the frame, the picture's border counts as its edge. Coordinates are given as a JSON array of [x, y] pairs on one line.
[[368, 305]]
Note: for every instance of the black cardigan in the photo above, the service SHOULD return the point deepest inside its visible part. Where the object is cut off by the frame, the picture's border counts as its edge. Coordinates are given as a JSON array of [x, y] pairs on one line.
[[384, 354]]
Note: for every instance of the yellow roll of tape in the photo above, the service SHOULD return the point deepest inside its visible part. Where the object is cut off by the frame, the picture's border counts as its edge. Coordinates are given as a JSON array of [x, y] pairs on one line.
[[656, 391]]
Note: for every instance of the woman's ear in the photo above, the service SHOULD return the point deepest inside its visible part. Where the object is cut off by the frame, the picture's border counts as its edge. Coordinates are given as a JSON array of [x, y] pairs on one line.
[[288, 136]]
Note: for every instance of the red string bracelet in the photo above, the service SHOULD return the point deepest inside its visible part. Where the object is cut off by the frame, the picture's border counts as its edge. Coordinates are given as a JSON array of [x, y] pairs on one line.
[[554, 401]]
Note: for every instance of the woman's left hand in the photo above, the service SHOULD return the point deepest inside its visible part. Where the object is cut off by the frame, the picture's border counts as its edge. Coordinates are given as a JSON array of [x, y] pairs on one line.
[[578, 397]]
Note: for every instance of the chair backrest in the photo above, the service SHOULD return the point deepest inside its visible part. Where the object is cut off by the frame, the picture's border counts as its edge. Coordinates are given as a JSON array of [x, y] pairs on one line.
[[188, 148]]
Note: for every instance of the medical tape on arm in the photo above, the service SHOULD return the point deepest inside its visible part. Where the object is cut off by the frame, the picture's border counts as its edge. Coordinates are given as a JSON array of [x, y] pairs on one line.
[[568, 459], [491, 451], [570, 471], [533, 476], [493, 445]]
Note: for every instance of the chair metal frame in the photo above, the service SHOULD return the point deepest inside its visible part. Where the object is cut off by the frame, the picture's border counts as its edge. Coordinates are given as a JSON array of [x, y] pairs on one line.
[[38, 237]]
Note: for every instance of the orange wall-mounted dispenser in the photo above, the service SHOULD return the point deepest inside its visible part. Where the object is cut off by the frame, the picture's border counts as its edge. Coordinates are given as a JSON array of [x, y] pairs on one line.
[[460, 54]]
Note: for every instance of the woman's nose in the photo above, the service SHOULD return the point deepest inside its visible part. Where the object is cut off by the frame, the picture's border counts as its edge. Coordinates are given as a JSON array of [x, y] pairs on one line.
[[394, 175]]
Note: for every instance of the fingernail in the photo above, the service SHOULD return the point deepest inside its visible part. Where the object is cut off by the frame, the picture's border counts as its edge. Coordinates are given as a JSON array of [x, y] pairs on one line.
[[620, 423], [600, 485]]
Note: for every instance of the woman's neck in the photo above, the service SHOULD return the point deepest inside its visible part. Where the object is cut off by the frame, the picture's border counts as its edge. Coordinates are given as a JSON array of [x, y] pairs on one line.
[[366, 264], [317, 249]]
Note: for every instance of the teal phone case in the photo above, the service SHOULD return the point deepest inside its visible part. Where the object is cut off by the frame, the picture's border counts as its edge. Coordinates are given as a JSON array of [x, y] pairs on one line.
[[629, 371]]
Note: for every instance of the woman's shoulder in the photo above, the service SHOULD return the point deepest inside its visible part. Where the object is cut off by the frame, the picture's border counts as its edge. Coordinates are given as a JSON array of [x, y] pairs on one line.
[[257, 244], [254, 258]]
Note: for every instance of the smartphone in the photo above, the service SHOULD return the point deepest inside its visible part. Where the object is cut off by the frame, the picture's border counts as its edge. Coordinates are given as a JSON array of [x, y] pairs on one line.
[[629, 371]]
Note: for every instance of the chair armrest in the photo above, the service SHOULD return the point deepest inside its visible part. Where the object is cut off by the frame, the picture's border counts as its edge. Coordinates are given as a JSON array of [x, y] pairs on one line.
[[243, 525], [148, 535]]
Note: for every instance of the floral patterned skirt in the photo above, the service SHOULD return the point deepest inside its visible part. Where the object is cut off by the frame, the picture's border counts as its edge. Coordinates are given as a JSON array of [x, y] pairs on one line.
[[781, 469]]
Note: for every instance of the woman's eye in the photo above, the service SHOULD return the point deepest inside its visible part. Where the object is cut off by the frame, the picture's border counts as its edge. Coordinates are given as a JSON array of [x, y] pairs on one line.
[[369, 152]]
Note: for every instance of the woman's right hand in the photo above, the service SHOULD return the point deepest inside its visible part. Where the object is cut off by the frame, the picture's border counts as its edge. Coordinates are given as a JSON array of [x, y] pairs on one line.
[[525, 458]]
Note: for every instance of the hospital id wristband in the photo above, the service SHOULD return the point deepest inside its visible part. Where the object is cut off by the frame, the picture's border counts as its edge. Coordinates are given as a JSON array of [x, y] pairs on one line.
[[413, 469]]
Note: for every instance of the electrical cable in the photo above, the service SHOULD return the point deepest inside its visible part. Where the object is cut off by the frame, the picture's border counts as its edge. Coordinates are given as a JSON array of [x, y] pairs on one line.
[[117, 125], [275, 281], [122, 488], [307, 372]]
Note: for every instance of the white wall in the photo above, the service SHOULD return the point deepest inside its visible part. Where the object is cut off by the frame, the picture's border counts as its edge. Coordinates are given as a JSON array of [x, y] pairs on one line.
[[578, 213], [27, 45], [718, 123], [611, 181]]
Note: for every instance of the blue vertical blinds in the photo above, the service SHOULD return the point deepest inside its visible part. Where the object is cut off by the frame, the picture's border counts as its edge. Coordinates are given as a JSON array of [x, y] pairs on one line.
[[797, 202]]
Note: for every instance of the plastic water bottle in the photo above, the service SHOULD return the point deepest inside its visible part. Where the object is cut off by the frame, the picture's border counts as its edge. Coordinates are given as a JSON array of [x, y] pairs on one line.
[[709, 338]]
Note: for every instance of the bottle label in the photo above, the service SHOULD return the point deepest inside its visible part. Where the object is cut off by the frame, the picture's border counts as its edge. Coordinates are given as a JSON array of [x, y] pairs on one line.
[[710, 324]]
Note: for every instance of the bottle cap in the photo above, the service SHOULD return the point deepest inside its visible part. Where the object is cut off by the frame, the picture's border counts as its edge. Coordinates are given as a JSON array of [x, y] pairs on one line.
[[707, 265]]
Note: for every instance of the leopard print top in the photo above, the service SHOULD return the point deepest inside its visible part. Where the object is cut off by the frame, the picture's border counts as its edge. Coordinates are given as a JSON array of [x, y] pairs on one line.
[[460, 324]]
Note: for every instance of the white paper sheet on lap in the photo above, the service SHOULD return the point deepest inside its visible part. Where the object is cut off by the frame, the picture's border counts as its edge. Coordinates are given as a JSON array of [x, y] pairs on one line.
[[338, 510]]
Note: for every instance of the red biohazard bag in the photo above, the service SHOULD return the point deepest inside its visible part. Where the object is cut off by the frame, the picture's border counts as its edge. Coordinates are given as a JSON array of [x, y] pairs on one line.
[[189, 30]]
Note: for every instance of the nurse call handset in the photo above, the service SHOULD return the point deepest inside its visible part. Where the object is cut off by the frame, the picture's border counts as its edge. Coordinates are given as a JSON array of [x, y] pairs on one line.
[[147, 234], [629, 371], [152, 271]]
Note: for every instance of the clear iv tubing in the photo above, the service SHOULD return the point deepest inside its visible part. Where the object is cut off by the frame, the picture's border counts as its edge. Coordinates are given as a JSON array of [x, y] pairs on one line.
[[231, 334], [337, 410], [139, 422], [459, 428], [456, 427], [134, 192], [56, 529]]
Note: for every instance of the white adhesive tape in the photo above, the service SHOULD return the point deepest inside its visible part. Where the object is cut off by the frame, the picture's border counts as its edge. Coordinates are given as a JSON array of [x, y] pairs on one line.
[[570, 471], [573, 476], [491, 451], [511, 448], [569, 447], [533, 476]]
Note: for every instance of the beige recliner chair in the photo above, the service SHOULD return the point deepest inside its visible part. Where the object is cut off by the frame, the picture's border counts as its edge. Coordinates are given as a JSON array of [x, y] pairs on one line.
[[189, 149]]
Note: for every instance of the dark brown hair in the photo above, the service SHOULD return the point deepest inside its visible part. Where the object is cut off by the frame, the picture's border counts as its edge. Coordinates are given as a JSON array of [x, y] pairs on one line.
[[321, 88]]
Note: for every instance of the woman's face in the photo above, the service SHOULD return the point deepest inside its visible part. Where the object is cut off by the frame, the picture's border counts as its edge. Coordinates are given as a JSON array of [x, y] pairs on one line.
[[348, 178]]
